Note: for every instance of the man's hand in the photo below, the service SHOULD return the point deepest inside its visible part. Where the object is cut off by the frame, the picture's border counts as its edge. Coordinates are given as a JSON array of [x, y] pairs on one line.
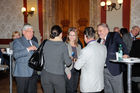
[[32, 48], [125, 56]]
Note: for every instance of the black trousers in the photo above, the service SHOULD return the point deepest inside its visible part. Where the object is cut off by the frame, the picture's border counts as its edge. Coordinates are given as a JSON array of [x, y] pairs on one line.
[[90, 92], [27, 84], [72, 84], [52, 83]]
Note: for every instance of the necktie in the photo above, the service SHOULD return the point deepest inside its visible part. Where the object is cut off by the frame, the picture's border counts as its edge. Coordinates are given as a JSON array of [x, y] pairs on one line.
[[103, 41], [134, 38], [30, 42]]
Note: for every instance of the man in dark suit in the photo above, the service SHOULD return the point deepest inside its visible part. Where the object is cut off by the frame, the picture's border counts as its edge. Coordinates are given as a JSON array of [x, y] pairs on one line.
[[135, 52], [23, 48], [130, 37], [1, 56], [112, 72]]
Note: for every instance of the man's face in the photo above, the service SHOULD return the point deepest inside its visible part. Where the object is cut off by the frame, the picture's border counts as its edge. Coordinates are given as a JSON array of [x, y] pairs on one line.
[[28, 34], [102, 32], [135, 31]]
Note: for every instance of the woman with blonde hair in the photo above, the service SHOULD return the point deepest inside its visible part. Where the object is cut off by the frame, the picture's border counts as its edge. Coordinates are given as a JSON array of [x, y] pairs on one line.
[[15, 35], [74, 51]]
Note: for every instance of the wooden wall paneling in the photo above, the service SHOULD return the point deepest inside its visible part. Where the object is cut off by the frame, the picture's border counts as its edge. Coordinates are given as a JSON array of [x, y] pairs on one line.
[[72, 13], [83, 18]]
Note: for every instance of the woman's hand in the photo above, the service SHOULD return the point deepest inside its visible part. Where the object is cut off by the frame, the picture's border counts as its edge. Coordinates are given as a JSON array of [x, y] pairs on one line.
[[69, 76]]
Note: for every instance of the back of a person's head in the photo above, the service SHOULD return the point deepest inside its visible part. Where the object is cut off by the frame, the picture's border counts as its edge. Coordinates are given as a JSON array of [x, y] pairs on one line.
[[116, 29], [55, 31], [123, 31], [89, 32]]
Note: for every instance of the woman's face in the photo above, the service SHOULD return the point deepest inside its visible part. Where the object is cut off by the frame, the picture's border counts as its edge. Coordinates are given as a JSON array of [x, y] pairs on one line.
[[16, 36], [72, 36]]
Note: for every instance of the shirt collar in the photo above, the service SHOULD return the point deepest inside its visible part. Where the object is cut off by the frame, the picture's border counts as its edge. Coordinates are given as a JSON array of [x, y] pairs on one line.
[[131, 34], [90, 41]]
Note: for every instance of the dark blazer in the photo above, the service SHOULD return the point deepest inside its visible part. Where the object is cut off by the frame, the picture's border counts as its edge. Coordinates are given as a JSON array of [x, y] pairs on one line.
[[1, 56], [135, 52], [135, 49], [113, 40], [128, 39]]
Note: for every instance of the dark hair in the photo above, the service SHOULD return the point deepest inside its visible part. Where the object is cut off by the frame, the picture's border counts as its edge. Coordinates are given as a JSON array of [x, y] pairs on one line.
[[89, 32], [55, 31], [123, 31]]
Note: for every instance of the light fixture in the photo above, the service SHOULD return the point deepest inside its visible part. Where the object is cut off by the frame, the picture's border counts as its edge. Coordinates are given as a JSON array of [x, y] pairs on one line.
[[109, 6], [31, 12]]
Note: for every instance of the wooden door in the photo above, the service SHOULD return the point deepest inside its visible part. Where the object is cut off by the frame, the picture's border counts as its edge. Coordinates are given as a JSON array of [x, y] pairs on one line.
[[72, 13]]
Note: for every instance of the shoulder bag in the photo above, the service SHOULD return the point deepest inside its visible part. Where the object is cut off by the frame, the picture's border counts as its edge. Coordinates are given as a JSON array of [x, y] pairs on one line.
[[37, 59]]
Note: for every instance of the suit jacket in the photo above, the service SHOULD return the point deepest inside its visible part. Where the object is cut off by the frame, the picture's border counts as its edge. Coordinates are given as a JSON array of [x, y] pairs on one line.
[[113, 40], [128, 39], [22, 56], [91, 62], [135, 52], [68, 69], [1, 56]]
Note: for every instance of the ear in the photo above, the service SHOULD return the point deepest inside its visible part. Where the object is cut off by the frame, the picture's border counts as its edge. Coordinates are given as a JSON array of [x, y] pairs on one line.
[[23, 32]]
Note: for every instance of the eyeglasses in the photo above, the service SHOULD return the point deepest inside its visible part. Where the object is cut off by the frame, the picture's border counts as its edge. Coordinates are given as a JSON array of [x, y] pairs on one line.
[[72, 35], [30, 31]]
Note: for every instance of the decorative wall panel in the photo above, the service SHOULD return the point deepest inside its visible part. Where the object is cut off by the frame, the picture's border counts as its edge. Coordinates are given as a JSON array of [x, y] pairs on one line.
[[135, 13], [11, 18]]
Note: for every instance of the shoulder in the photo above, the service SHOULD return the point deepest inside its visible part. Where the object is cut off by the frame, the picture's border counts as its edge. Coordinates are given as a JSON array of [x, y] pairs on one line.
[[16, 40], [64, 44], [79, 46], [67, 43], [127, 35]]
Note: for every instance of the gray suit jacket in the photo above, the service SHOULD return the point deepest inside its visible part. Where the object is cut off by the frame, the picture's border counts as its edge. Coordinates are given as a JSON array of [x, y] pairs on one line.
[[91, 62], [127, 39], [22, 56]]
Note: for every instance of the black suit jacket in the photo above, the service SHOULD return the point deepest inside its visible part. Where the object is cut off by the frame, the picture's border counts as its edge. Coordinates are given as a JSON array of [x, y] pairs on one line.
[[113, 40], [1, 56], [135, 52]]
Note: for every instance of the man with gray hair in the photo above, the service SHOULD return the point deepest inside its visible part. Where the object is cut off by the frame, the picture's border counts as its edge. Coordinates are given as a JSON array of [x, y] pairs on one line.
[[130, 37], [23, 48], [112, 71], [91, 62]]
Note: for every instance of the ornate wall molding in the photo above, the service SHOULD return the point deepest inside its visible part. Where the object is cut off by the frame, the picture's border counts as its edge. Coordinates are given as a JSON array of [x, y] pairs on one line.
[[48, 17], [135, 14], [11, 18]]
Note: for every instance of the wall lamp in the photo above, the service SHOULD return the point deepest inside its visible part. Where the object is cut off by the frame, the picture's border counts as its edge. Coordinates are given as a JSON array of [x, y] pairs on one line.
[[31, 12], [110, 6]]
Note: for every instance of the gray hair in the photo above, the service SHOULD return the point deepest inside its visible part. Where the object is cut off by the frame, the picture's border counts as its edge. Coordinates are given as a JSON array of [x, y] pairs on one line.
[[26, 26], [135, 27], [104, 25]]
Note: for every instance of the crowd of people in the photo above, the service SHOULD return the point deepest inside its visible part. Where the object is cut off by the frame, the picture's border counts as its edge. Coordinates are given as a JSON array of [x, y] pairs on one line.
[[68, 64]]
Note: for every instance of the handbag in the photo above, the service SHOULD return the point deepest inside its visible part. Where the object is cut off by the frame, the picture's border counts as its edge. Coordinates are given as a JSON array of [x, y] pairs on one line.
[[37, 59]]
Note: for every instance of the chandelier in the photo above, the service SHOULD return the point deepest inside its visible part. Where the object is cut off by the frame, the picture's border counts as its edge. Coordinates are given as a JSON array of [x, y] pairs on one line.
[[109, 6]]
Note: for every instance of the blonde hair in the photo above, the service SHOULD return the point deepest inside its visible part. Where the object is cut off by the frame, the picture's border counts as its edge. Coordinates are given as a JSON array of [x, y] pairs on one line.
[[14, 33], [72, 29]]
